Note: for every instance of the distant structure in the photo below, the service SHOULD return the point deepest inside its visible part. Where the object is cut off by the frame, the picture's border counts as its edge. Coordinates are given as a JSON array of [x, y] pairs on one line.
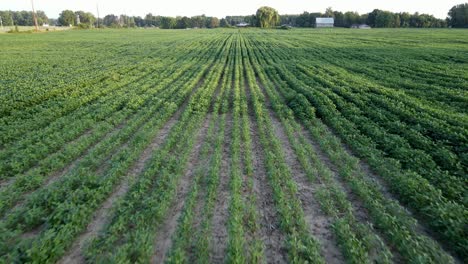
[[242, 24], [78, 19], [360, 26], [324, 22]]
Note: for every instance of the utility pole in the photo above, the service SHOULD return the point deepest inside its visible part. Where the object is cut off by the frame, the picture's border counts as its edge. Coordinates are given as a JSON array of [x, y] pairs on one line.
[[11, 17], [97, 8], [34, 15]]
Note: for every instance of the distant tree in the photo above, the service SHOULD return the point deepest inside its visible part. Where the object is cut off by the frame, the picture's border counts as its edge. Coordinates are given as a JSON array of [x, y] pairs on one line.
[[329, 12], [131, 22], [397, 21], [42, 18], [66, 18], [223, 22], [214, 22], [288, 20], [111, 21], [22, 18], [385, 19], [252, 20], [371, 18], [198, 21], [267, 17], [53, 21], [363, 18], [339, 19], [405, 19], [139, 22], [168, 22], [458, 16], [7, 18], [351, 18], [149, 20], [303, 20], [183, 22], [86, 18]]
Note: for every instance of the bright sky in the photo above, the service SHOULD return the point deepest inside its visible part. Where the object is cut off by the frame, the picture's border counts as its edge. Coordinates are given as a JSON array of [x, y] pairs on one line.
[[438, 8]]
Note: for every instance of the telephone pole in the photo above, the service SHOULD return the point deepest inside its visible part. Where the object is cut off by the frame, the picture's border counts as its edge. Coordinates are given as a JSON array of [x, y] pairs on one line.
[[97, 9], [34, 15]]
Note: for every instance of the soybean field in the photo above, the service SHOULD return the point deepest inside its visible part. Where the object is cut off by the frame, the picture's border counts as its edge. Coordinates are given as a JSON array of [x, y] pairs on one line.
[[234, 146]]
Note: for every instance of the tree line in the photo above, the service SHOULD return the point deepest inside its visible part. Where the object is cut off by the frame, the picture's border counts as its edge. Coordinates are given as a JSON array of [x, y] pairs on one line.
[[377, 18], [22, 18], [264, 17]]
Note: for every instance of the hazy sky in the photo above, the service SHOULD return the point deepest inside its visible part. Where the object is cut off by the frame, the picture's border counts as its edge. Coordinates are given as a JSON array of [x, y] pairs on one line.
[[438, 8]]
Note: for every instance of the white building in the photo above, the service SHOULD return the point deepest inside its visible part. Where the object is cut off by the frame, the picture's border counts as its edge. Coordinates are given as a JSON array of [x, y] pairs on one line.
[[242, 24], [322, 22], [361, 26]]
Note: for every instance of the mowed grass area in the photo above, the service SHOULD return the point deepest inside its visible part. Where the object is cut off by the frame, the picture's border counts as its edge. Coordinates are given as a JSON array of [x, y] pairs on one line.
[[29, 29], [234, 145]]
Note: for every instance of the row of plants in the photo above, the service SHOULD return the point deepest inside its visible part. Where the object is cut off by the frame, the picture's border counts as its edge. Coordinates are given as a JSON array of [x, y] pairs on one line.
[[359, 242], [244, 242], [38, 144], [191, 242], [444, 217], [106, 132], [373, 123], [130, 235], [301, 245], [64, 209]]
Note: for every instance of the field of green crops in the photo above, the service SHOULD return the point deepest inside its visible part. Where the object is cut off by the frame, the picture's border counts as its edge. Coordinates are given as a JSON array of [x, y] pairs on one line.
[[238, 146]]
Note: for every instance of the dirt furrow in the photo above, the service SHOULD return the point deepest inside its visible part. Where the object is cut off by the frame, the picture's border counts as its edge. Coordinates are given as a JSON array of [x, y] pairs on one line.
[[359, 210], [271, 235], [163, 240], [221, 208], [319, 223]]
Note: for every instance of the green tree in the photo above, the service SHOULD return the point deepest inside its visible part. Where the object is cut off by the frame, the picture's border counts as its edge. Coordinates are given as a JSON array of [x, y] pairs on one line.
[[67, 17], [42, 18], [372, 17], [397, 21], [168, 22], [385, 19], [329, 12], [199, 21], [86, 18], [223, 23], [267, 17], [458, 16], [405, 18], [111, 21], [7, 18], [339, 19], [184, 22], [214, 22]]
